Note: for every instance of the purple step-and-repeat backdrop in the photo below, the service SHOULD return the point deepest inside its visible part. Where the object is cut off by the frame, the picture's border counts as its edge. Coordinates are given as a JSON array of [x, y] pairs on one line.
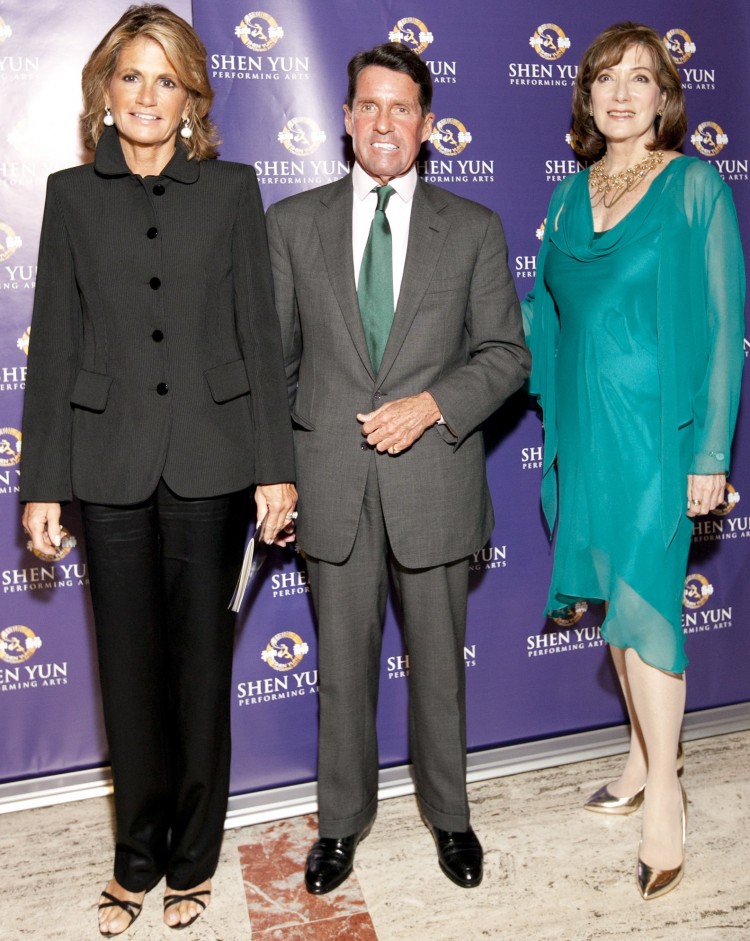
[[503, 78]]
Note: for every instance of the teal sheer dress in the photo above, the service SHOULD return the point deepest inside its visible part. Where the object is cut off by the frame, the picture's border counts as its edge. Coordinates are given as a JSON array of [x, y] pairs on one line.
[[609, 544]]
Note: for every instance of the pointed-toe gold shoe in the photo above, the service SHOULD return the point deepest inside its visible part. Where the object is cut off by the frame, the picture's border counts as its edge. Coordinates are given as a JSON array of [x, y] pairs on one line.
[[653, 883], [604, 802]]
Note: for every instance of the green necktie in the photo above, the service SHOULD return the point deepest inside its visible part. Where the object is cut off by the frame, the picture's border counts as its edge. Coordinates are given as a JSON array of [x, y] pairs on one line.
[[375, 285]]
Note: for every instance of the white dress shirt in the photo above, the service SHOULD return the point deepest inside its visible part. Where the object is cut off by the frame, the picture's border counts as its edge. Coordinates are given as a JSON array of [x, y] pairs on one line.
[[398, 213]]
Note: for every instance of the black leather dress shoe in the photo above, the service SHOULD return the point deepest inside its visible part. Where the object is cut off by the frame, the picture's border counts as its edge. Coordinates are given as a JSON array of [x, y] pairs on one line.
[[460, 855], [330, 862]]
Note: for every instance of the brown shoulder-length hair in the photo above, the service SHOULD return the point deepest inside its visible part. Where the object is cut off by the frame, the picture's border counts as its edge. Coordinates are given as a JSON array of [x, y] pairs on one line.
[[607, 50], [185, 51]]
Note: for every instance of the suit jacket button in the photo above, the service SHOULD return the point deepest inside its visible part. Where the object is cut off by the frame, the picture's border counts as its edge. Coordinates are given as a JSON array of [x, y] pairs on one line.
[[377, 395], [157, 336], [162, 388], [364, 446], [158, 189], [155, 283], [152, 232]]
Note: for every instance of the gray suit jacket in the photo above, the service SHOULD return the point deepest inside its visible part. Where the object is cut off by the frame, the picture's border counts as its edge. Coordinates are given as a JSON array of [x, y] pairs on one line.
[[456, 333], [155, 347]]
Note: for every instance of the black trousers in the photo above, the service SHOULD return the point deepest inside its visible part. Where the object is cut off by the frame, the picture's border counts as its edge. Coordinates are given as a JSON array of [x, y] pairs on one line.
[[162, 573]]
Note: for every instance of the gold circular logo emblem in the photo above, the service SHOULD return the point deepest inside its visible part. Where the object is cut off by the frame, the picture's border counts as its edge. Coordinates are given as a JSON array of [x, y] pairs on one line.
[[284, 651], [549, 41], [679, 45], [573, 141], [10, 447], [450, 136], [9, 241], [567, 617], [67, 542], [23, 341], [412, 33], [709, 139], [301, 136], [698, 590], [731, 499], [18, 643], [5, 31], [259, 31]]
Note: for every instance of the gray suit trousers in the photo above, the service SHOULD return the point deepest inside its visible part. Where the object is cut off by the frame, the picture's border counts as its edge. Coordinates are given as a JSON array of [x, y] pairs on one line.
[[350, 602]]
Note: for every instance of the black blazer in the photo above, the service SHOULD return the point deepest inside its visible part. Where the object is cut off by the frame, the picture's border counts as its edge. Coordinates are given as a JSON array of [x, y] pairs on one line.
[[155, 347]]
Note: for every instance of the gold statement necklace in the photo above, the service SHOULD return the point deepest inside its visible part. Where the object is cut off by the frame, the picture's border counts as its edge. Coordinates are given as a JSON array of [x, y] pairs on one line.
[[619, 184]]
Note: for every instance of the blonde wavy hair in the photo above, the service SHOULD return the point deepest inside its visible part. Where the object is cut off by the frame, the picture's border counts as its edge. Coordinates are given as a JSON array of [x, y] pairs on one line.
[[185, 51]]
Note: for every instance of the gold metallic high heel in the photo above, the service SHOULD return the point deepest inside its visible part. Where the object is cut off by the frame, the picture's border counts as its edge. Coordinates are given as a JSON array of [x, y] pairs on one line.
[[604, 802], [653, 883]]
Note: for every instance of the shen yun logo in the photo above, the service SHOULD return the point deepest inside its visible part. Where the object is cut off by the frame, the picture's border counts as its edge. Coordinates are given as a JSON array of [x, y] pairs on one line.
[[681, 48], [698, 590], [679, 45], [18, 643], [725, 525], [301, 136], [10, 447], [731, 499], [450, 137], [571, 615], [412, 33], [283, 653], [709, 139], [9, 242], [259, 31], [67, 543], [549, 41], [699, 619], [23, 341]]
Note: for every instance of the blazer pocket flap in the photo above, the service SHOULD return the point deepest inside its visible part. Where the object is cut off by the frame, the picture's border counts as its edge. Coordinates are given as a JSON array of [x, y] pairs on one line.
[[91, 390], [227, 381], [302, 422], [441, 285]]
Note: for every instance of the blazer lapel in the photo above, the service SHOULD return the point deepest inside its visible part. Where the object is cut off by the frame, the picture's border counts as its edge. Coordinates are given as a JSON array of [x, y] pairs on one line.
[[334, 223], [427, 232]]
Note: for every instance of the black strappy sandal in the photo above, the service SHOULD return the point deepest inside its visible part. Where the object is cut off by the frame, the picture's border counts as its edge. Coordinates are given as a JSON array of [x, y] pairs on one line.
[[129, 907], [170, 900]]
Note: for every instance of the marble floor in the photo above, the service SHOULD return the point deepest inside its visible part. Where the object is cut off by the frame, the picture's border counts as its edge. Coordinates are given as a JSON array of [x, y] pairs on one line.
[[553, 872]]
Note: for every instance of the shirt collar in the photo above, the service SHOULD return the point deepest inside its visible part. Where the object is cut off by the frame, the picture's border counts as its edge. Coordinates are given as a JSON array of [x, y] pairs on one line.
[[109, 160], [404, 185]]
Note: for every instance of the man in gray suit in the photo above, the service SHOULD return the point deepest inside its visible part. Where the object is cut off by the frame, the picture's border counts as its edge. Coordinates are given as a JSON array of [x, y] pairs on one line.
[[390, 459]]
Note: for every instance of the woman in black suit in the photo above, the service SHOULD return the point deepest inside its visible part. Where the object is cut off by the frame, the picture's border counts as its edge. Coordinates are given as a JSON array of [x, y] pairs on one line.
[[156, 395]]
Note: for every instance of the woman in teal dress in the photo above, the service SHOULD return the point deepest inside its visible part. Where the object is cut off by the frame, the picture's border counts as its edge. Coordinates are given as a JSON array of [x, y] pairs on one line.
[[636, 329]]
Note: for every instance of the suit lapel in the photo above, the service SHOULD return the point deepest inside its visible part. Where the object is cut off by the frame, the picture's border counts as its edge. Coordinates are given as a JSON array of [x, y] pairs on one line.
[[334, 223], [427, 233]]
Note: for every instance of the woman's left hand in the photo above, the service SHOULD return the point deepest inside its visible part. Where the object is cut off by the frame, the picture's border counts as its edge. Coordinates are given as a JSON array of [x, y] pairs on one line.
[[704, 493], [279, 501]]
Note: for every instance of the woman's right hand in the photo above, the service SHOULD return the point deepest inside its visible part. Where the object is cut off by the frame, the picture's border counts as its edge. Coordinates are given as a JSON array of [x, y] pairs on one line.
[[42, 523]]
